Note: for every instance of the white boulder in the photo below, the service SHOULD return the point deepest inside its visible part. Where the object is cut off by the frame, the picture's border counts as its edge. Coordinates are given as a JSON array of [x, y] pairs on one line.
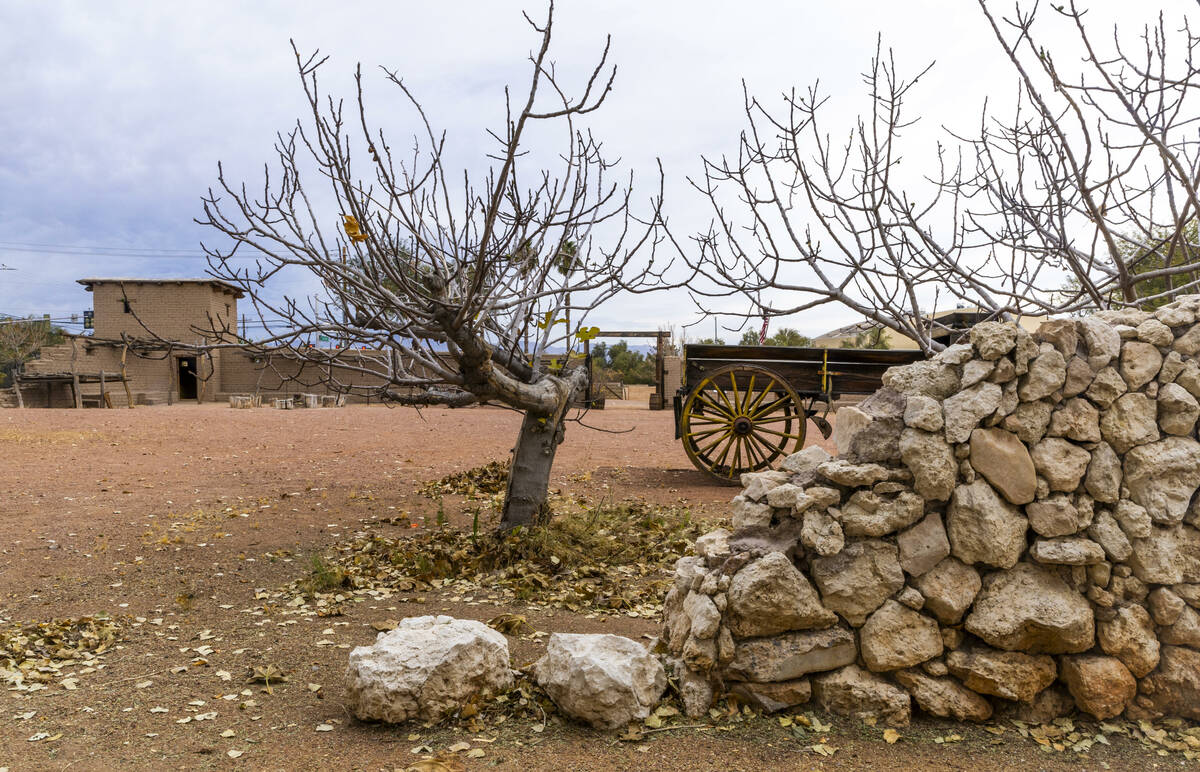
[[426, 668], [603, 680]]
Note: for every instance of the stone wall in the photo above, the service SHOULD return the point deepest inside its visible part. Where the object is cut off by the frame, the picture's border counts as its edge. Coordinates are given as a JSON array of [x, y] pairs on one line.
[[1011, 526]]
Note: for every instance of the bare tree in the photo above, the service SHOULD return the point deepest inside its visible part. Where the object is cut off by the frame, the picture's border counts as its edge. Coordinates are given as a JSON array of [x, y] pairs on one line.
[[461, 282], [21, 340], [1085, 196]]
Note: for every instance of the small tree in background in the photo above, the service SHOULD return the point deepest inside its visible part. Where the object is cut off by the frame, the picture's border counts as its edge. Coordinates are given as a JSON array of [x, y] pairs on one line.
[[21, 340]]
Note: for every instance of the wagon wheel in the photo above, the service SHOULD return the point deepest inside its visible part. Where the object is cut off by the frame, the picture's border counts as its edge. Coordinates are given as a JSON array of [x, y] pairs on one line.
[[740, 418]]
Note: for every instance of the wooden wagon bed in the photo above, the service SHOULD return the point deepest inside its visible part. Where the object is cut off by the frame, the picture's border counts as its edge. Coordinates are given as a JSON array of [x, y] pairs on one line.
[[742, 408]]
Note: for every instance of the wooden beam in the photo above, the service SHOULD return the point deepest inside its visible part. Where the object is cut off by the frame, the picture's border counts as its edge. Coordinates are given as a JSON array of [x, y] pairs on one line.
[[125, 378], [75, 377]]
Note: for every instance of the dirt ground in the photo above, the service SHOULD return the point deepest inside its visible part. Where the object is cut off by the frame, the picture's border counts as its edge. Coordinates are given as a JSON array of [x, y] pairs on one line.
[[173, 520]]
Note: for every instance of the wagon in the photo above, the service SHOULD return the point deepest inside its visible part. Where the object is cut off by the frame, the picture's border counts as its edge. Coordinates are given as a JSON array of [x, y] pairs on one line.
[[742, 408]]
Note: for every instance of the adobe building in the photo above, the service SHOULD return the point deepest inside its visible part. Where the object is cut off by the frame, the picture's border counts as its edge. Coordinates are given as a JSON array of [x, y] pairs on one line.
[[146, 349]]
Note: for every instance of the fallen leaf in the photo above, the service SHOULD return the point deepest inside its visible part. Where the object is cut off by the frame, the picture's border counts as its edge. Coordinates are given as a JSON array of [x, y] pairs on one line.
[[324, 727], [233, 754], [228, 733], [890, 736], [459, 747]]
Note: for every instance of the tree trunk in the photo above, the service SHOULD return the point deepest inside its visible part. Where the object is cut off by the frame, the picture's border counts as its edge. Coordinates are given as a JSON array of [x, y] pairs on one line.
[[529, 474]]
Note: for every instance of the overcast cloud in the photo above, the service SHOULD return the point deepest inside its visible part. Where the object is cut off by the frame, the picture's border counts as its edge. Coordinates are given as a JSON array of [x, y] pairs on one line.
[[114, 114]]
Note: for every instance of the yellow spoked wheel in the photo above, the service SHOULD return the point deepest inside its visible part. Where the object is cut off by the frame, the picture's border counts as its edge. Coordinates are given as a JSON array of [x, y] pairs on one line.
[[741, 418]]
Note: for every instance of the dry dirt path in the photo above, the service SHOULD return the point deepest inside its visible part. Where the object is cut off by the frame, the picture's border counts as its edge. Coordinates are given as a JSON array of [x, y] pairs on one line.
[[171, 520]]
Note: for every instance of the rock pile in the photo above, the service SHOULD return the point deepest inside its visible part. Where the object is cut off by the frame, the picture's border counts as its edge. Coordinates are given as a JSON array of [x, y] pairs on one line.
[[1011, 525]]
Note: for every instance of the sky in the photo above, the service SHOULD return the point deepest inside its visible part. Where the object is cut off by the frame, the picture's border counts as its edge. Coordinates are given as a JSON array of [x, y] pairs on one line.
[[115, 114]]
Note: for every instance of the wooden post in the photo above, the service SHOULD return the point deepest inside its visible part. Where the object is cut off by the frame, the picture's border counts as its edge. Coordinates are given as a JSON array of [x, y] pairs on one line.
[[17, 388], [75, 376], [125, 377], [103, 396]]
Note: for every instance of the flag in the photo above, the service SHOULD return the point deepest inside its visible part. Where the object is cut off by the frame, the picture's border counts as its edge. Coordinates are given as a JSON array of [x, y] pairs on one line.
[[762, 334]]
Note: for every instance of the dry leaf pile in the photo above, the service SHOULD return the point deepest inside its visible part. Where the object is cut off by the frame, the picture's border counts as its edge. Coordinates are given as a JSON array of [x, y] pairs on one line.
[[608, 558], [34, 655], [478, 483]]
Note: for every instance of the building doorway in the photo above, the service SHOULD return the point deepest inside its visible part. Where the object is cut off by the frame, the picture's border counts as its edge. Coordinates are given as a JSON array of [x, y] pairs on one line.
[[187, 377]]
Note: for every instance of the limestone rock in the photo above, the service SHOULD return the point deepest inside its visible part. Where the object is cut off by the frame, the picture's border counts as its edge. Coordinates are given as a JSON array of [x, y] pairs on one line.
[[993, 340], [1188, 344], [773, 697], [878, 440], [749, 514], [857, 580], [1004, 461], [789, 656], [1079, 377], [1101, 686], [1103, 480], [856, 693], [703, 613], [1076, 420], [1031, 609], [851, 475], [1134, 519], [1108, 534], [928, 378], [956, 354], [1165, 606], [923, 413], [849, 421], [821, 533], [964, 410], [1066, 551], [931, 460], [1189, 378], [897, 637], [1054, 516], [1140, 363], [911, 598], [1174, 688], [1190, 593], [1177, 410], [1059, 333], [1173, 365], [426, 668], [1155, 333], [1029, 421], [713, 546], [803, 464], [1103, 343], [1131, 421], [695, 690], [869, 514], [771, 596], [983, 528], [1060, 462], [1052, 702], [1184, 632], [1047, 374], [1106, 387], [949, 588], [1174, 316], [923, 546], [756, 485], [603, 680], [1129, 636], [1163, 476], [944, 697], [1012, 675]]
